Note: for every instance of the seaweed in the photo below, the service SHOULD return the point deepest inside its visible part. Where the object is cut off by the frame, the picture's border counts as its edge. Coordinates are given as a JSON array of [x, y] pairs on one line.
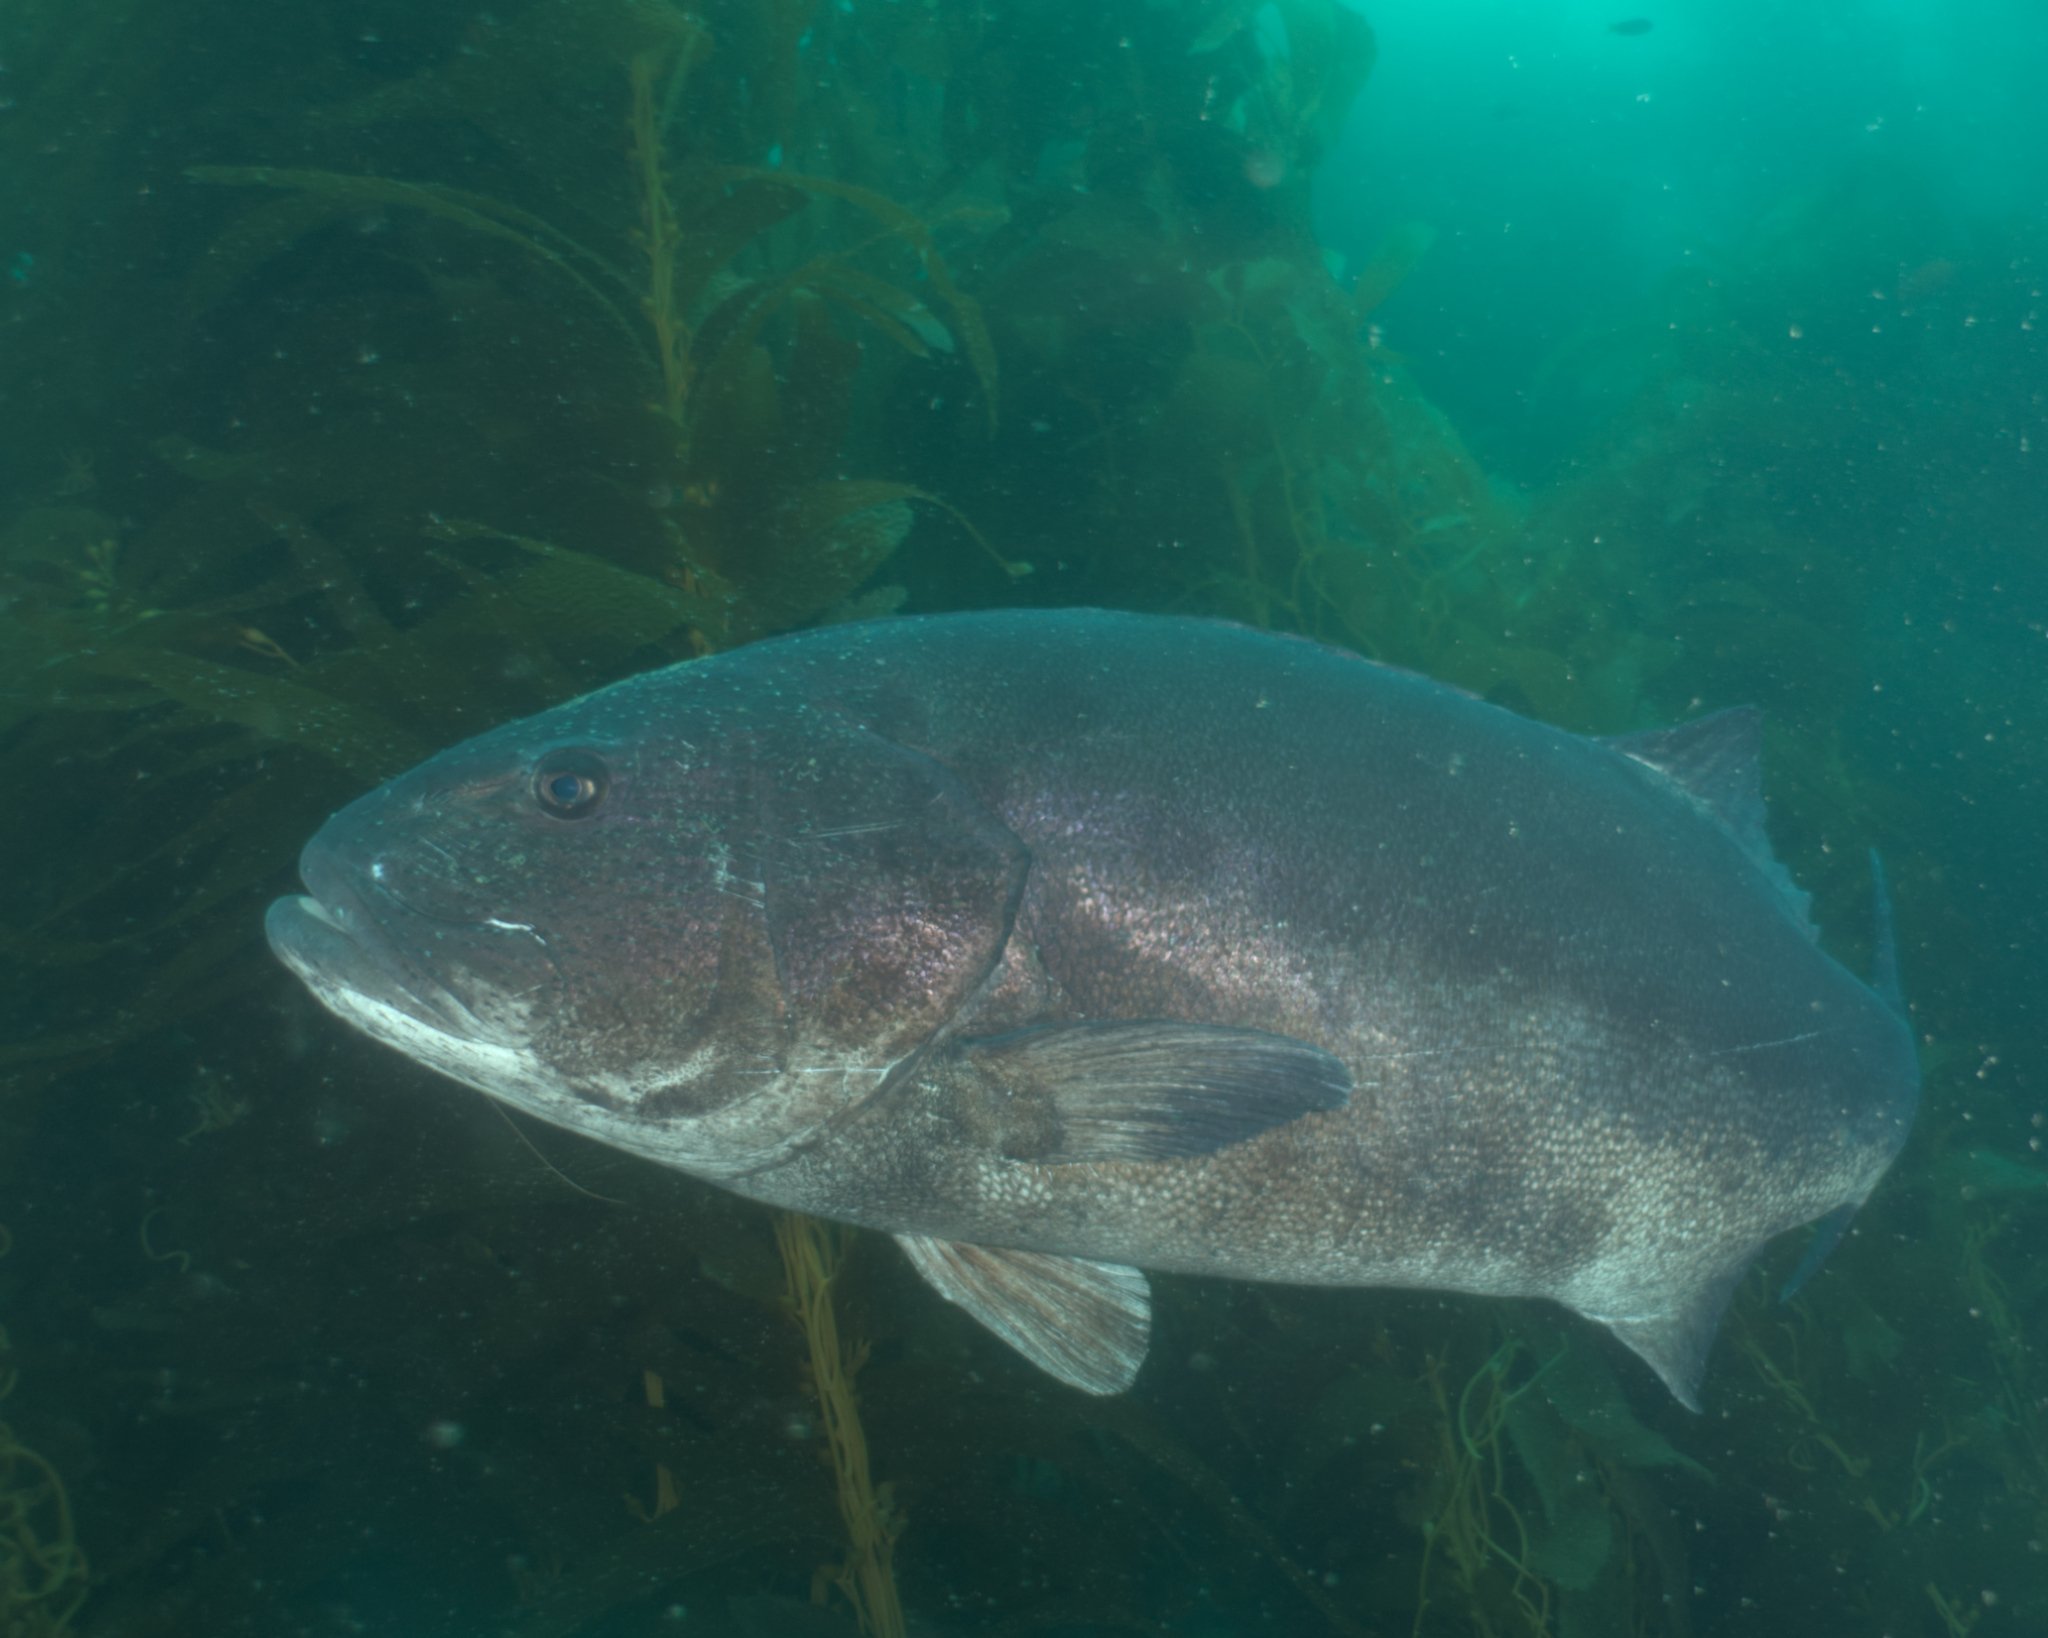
[[276, 608], [811, 1255], [44, 1578], [752, 434]]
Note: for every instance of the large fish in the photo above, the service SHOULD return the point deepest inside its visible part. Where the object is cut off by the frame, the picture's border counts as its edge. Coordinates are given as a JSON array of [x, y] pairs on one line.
[[1066, 945]]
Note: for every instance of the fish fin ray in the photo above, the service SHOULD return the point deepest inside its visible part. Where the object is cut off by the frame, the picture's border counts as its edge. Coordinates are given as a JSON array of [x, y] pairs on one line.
[[1066, 1094], [1085, 1322], [1717, 760]]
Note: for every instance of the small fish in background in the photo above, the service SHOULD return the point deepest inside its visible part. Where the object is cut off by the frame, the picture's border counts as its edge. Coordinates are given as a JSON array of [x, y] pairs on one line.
[[1066, 944], [1631, 25]]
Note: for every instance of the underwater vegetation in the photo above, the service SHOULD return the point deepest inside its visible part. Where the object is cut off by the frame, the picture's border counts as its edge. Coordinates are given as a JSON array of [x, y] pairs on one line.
[[380, 373], [43, 1574], [721, 440], [812, 1253]]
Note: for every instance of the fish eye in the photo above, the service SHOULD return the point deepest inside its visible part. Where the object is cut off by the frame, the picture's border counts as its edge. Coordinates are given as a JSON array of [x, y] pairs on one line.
[[571, 784]]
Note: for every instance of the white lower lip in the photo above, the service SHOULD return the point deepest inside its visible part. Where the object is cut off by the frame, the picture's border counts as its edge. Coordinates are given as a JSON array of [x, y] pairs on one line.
[[329, 979]]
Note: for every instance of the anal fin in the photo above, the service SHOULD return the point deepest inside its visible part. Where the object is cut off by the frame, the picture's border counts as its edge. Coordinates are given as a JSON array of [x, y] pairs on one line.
[[1085, 1322], [1674, 1343]]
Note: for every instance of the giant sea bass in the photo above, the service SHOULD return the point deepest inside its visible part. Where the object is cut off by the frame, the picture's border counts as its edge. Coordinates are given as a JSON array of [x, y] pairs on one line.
[[1065, 945]]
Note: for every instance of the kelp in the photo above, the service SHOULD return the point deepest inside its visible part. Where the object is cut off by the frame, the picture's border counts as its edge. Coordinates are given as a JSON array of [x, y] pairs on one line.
[[369, 709], [782, 535], [44, 1578], [367, 647], [1394, 258], [753, 431], [43, 1574], [812, 1253]]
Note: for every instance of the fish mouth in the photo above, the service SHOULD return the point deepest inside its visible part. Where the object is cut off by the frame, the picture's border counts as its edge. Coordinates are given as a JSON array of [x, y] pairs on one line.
[[336, 946]]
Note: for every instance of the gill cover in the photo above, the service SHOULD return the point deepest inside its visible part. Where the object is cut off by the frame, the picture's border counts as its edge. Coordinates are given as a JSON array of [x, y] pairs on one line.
[[888, 890], [816, 902], [854, 896]]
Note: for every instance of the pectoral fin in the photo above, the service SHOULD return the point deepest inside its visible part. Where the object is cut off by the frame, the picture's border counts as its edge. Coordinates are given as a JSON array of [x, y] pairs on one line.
[[1070, 1093], [1085, 1322]]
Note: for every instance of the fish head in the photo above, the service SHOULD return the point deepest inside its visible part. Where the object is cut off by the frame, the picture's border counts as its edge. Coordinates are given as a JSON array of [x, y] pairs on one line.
[[691, 921]]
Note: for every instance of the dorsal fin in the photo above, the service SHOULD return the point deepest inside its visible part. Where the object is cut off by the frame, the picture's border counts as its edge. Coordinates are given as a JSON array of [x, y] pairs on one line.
[[1717, 760]]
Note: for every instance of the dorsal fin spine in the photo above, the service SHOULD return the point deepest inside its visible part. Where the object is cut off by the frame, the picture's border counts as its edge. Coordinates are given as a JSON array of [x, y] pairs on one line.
[[1716, 760]]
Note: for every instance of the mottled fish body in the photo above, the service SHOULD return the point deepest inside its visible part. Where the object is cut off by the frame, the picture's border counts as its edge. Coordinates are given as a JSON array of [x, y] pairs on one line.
[[1063, 945]]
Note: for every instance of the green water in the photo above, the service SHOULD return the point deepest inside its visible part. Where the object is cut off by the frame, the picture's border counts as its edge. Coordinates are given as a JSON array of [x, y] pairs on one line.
[[375, 372]]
